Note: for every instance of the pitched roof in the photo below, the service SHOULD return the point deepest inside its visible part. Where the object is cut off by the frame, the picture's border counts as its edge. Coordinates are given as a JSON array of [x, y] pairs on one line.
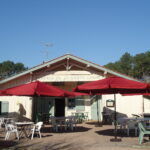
[[66, 56]]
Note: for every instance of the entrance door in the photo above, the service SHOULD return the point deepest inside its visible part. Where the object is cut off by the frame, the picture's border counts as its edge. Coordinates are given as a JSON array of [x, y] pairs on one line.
[[42, 106], [59, 107], [95, 108]]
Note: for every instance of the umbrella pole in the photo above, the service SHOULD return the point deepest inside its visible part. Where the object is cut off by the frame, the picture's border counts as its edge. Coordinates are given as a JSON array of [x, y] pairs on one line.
[[143, 105], [115, 139]]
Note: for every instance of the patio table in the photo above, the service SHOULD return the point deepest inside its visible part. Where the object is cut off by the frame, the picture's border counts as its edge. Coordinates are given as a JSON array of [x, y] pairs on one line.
[[146, 121], [24, 127], [126, 119], [8, 120], [60, 120], [137, 119], [63, 122]]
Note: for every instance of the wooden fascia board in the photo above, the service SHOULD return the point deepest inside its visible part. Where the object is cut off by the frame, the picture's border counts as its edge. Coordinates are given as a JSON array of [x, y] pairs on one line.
[[32, 69], [100, 68], [62, 58]]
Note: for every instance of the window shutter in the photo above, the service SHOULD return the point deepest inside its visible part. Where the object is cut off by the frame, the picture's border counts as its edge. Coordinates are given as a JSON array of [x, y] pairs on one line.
[[80, 106], [4, 107]]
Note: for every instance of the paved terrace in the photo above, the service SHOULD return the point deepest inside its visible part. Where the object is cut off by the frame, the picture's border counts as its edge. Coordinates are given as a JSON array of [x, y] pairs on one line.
[[88, 136]]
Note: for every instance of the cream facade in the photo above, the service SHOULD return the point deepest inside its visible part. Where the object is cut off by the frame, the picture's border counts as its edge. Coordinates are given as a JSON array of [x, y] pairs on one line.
[[20, 106], [67, 72]]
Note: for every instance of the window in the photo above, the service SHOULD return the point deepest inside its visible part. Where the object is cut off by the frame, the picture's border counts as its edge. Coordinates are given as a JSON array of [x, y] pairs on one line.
[[4, 105], [80, 106], [71, 103]]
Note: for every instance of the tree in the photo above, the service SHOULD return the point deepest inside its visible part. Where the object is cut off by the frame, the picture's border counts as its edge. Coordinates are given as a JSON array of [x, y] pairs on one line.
[[8, 68], [19, 67], [142, 65], [126, 64], [114, 66], [137, 66]]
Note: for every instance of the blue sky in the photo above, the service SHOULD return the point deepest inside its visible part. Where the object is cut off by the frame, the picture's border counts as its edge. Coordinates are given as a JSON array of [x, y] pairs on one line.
[[100, 31]]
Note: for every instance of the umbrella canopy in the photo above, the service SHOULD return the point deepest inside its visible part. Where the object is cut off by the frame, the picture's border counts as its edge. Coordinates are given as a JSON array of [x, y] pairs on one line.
[[74, 94], [132, 94], [2, 93], [113, 85], [40, 89], [34, 88]]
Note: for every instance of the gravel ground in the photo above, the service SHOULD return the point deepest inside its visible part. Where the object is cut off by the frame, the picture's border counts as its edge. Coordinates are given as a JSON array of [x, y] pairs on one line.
[[87, 136]]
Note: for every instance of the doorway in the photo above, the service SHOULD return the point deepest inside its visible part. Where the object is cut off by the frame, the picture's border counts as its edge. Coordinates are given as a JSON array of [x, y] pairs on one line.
[[95, 108], [59, 107]]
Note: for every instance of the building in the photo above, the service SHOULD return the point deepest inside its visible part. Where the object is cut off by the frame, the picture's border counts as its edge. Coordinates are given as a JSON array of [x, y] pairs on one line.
[[67, 72]]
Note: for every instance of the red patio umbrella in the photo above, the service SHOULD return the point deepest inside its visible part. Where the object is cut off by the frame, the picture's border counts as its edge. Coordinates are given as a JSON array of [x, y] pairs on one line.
[[74, 94], [132, 94], [113, 85], [34, 88], [147, 93], [2, 93], [40, 89]]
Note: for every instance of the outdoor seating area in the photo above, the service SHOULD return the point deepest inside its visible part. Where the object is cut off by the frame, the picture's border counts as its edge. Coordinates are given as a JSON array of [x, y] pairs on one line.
[[81, 116], [63, 123], [137, 126], [21, 129], [88, 131], [27, 129]]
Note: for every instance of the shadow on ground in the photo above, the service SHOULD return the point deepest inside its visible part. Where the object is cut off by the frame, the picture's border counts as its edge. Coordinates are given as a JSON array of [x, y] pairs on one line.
[[6, 144], [95, 123], [62, 130], [46, 129], [56, 146], [110, 132]]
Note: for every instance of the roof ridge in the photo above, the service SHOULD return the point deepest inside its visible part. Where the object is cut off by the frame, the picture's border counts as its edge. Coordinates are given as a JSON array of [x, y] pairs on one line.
[[30, 70]]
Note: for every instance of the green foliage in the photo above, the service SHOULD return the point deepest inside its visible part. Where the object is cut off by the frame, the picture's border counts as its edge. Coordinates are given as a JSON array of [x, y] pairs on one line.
[[142, 65], [137, 66], [8, 68]]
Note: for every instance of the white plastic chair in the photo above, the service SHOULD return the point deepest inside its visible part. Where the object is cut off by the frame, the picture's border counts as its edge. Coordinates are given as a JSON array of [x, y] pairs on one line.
[[10, 128], [121, 123], [75, 121], [55, 125], [1, 122], [132, 125], [86, 116], [36, 129], [70, 123]]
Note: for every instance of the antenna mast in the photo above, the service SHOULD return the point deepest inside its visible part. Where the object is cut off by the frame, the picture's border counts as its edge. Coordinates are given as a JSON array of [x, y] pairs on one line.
[[46, 51]]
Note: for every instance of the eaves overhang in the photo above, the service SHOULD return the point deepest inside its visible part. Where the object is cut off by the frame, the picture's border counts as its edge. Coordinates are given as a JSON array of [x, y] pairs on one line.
[[67, 56]]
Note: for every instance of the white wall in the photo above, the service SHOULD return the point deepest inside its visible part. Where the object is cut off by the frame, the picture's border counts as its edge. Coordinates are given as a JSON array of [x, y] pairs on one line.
[[146, 104], [68, 76], [14, 104], [126, 104]]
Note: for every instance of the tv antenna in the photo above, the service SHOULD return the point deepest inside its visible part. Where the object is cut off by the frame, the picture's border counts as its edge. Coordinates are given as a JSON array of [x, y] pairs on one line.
[[46, 50]]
